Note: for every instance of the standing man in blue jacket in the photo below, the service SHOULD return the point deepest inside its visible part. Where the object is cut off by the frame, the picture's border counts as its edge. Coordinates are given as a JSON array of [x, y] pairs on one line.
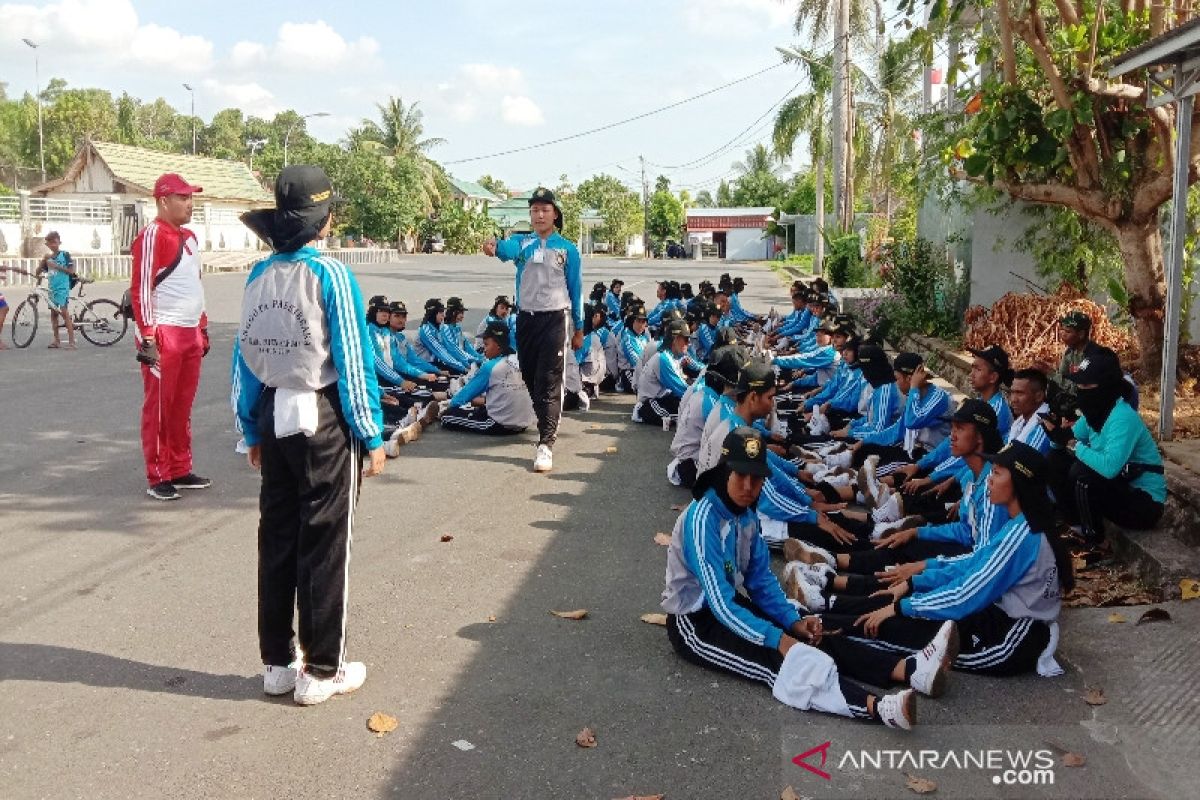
[[550, 296], [307, 403]]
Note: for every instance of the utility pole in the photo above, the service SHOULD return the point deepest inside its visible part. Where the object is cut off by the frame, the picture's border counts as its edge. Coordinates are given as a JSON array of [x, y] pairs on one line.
[[192, 92], [843, 162], [37, 81], [645, 211]]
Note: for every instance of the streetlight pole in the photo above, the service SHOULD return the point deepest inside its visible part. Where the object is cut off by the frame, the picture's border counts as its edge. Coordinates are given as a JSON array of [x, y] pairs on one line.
[[192, 91], [292, 127], [37, 79]]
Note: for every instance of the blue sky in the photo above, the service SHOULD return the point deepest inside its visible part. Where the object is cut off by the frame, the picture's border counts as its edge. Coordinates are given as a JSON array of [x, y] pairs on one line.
[[489, 76]]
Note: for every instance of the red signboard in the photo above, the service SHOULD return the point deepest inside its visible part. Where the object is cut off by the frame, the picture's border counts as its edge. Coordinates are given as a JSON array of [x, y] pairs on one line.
[[724, 223]]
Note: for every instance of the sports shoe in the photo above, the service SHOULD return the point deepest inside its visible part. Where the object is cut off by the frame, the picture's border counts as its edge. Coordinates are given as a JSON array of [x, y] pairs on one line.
[[934, 661], [819, 424], [543, 461], [816, 574], [241, 447], [840, 459], [795, 550], [891, 509], [391, 447], [797, 587], [898, 710], [411, 432], [191, 481], [281, 680], [841, 480], [164, 491], [867, 484], [585, 402], [311, 690], [432, 412], [884, 528]]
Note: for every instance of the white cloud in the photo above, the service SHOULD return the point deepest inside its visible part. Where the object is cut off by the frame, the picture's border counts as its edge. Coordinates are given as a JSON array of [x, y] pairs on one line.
[[317, 46], [85, 29], [246, 55], [520, 110], [491, 78], [723, 18]]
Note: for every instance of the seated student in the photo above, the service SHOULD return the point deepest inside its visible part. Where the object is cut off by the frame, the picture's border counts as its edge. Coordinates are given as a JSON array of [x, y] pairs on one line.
[[634, 338], [795, 323], [883, 404], [495, 401], [501, 312], [814, 368], [716, 554], [1005, 595], [739, 312], [725, 363], [990, 371], [405, 359], [1106, 467], [837, 404], [612, 300], [430, 345], [706, 329], [661, 382], [1027, 399], [452, 333], [669, 299], [586, 366]]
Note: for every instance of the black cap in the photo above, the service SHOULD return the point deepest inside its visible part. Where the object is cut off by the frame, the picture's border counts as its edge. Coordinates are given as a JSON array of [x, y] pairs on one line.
[[827, 326], [455, 304], [996, 356], [1100, 367], [637, 312], [501, 300], [907, 363], [397, 307], [676, 327], [496, 330], [434, 304], [1026, 464], [727, 361], [378, 301], [544, 195], [868, 355], [303, 186], [1076, 320], [756, 376], [616, 282], [980, 414], [744, 452]]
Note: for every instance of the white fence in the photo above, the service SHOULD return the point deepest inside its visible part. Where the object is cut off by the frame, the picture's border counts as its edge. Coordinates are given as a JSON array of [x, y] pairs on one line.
[[21, 271]]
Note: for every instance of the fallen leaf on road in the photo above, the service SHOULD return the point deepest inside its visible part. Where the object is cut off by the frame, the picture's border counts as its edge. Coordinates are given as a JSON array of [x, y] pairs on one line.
[[447, 537], [662, 538], [1154, 615], [610, 450], [1117, 616], [789, 793], [578, 613], [643, 797], [920, 785], [463, 744], [1189, 589], [491, 618], [677, 507], [655, 619], [1074, 759], [586, 738], [1095, 697], [594, 426], [381, 723]]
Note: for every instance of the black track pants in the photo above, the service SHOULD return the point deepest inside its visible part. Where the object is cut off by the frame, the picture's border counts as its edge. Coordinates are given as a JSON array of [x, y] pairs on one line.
[[541, 349], [306, 504]]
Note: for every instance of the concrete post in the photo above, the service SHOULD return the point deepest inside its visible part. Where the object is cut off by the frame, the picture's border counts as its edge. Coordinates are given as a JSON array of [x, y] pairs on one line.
[[26, 219], [117, 212]]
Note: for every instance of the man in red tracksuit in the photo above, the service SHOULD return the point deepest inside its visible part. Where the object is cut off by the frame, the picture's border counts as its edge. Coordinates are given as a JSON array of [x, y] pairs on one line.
[[172, 337]]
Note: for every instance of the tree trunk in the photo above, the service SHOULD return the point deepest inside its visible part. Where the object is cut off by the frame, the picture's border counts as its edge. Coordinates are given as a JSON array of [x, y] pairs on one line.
[[1142, 250]]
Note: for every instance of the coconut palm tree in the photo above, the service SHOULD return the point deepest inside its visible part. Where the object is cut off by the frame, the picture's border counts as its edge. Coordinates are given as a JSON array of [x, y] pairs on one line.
[[758, 159], [891, 97], [808, 114], [400, 135]]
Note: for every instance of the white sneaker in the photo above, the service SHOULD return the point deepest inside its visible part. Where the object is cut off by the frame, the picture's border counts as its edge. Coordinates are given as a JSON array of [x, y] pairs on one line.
[[841, 481], [797, 587], [411, 432], [241, 447], [867, 483], [841, 459], [585, 402], [281, 680], [414, 413], [934, 661], [543, 461], [432, 412], [819, 424], [795, 550], [898, 710], [311, 690], [892, 509], [816, 574], [884, 528], [391, 448]]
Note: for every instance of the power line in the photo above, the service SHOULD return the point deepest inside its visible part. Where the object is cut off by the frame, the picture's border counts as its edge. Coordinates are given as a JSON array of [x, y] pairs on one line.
[[612, 125]]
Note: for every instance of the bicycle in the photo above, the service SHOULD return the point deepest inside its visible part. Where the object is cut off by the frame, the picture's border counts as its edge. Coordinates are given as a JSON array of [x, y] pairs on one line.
[[99, 321]]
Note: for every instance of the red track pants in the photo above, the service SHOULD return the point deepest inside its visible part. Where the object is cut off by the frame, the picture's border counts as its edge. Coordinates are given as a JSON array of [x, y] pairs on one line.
[[170, 389]]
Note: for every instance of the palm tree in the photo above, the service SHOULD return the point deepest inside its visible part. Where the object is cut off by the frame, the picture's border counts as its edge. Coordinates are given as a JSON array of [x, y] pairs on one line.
[[758, 159], [400, 135], [808, 114], [815, 18], [891, 97]]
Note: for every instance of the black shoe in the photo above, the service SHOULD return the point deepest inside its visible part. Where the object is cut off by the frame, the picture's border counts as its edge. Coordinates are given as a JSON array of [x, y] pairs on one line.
[[192, 481], [163, 491]]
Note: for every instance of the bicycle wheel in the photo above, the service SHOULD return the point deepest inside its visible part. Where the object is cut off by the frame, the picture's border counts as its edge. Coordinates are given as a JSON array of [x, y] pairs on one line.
[[24, 323], [102, 323]]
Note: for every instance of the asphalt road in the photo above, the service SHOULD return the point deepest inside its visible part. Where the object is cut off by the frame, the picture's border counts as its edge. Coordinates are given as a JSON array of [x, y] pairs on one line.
[[129, 664]]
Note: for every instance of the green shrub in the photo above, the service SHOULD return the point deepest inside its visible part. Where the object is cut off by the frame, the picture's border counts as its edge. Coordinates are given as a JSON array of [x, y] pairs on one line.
[[930, 298], [843, 262]]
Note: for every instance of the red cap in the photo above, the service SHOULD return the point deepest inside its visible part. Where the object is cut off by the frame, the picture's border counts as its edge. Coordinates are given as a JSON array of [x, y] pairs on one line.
[[172, 183]]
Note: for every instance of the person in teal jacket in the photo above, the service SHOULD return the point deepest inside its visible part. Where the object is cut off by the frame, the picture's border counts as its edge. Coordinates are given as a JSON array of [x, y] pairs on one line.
[[1106, 467]]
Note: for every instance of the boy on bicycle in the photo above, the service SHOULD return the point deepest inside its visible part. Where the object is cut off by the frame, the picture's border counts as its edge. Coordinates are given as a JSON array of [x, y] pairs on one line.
[[61, 269]]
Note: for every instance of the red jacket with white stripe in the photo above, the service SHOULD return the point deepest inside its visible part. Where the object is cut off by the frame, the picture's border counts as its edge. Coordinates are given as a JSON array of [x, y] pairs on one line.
[[166, 288]]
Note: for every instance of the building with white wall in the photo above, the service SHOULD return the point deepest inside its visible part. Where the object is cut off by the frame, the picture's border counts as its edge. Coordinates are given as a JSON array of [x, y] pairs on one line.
[[735, 234], [107, 195]]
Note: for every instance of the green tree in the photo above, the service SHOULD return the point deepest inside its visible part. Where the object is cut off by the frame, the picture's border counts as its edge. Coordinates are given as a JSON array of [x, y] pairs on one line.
[[662, 184], [463, 231], [620, 207], [225, 136], [572, 208], [666, 215], [724, 195], [704, 199], [493, 185], [400, 134]]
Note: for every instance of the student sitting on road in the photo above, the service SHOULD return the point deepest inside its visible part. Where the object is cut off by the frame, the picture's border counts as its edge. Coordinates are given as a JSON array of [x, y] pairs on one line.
[[1005, 594], [405, 359], [430, 344], [457, 342], [495, 401], [586, 367], [1106, 467], [661, 382], [812, 369], [717, 553], [501, 312], [612, 301], [697, 403], [634, 338]]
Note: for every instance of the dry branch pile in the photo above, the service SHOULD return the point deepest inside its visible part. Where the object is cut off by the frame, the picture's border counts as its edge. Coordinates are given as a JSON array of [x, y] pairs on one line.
[[1026, 326]]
